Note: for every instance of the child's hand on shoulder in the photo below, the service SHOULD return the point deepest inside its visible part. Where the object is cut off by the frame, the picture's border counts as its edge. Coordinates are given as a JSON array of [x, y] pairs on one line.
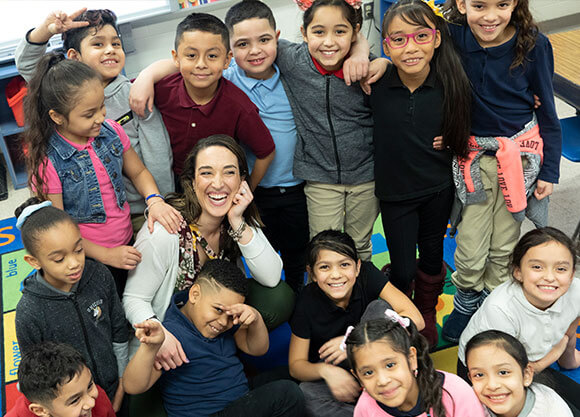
[[59, 22], [341, 383], [123, 257], [377, 69], [355, 68], [166, 215], [438, 143], [150, 332], [330, 352], [243, 314]]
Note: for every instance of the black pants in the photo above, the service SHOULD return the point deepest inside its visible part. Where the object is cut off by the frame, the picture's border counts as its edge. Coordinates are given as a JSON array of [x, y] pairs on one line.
[[416, 222], [566, 388], [283, 210], [281, 398]]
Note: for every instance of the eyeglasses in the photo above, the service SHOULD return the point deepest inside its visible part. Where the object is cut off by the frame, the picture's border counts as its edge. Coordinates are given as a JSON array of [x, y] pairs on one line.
[[420, 37]]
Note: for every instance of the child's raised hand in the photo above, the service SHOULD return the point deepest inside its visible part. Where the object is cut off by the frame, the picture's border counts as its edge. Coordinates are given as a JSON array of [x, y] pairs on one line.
[[438, 143], [341, 383], [242, 200], [123, 257], [59, 22], [166, 215], [170, 355], [330, 352], [242, 314], [149, 332]]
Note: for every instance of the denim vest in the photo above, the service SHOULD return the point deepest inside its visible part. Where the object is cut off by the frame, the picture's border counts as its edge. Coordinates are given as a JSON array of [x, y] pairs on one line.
[[81, 194]]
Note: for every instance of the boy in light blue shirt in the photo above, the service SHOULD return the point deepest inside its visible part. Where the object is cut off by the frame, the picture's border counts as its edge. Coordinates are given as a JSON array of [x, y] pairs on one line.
[[280, 196]]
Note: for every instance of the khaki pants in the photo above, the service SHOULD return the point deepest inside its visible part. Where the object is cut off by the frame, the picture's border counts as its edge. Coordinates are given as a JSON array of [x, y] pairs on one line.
[[486, 236], [349, 208]]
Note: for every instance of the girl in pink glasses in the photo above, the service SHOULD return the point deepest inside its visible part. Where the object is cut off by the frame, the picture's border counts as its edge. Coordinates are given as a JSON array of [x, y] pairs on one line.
[[425, 94]]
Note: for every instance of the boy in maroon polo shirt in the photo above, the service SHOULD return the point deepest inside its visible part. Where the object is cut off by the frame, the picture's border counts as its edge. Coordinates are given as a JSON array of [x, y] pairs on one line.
[[197, 102]]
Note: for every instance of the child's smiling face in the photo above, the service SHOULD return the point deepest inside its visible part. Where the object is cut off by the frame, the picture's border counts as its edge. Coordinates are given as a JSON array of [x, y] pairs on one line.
[[76, 398], [206, 309], [329, 36], [102, 50], [387, 374], [335, 274], [489, 20], [201, 58], [254, 43], [545, 273], [498, 380]]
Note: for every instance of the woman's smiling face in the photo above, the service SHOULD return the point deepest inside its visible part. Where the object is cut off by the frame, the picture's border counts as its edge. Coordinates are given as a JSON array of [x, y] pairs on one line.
[[217, 180]]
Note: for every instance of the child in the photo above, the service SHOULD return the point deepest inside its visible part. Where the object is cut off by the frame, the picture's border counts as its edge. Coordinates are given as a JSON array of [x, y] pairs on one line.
[[280, 196], [502, 378], [334, 153], [391, 360], [54, 380], [211, 322], [75, 158], [424, 94], [539, 307], [69, 299], [341, 290], [198, 92], [507, 61], [92, 37]]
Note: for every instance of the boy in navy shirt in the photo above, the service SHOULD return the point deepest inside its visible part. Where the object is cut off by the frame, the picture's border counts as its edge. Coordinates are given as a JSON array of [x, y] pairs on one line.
[[211, 321]]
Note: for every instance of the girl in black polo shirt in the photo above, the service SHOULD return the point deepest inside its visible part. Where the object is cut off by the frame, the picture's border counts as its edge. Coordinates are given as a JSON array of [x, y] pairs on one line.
[[342, 287], [425, 94]]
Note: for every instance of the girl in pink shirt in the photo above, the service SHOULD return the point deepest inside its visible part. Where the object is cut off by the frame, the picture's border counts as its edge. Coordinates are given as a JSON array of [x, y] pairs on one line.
[[390, 359], [77, 160]]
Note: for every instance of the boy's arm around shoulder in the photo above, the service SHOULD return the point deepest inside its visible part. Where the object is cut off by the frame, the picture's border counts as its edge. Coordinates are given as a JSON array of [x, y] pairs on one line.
[[140, 374]]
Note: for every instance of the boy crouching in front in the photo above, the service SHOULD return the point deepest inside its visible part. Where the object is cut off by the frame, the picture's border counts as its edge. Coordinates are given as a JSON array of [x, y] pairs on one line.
[[211, 321]]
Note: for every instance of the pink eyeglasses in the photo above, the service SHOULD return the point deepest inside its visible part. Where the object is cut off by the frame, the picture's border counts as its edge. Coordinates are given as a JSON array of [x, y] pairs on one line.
[[400, 40]]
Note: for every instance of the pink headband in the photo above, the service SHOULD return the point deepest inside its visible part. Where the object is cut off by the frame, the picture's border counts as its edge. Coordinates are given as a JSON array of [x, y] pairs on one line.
[[394, 317], [349, 329], [305, 4]]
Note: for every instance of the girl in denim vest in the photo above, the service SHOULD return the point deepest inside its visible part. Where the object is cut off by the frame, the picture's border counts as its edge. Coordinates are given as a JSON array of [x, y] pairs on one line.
[[76, 159]]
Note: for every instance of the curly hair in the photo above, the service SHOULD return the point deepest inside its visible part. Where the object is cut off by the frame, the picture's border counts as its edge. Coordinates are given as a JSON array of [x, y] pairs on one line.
[[521, 18], [401, 339]]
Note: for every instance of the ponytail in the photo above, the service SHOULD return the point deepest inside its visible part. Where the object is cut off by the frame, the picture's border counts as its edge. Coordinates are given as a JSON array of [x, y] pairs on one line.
[[55, 86], [400, 340]]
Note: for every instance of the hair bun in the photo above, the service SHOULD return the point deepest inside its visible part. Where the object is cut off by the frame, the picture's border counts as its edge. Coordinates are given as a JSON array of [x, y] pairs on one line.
[[31, 201]]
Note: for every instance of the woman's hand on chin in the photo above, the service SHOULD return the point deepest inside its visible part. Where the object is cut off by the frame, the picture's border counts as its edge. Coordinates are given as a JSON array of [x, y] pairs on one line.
[[241, 201]]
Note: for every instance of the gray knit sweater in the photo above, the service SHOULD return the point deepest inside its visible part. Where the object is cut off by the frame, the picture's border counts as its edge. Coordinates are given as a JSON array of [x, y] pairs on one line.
[[148, 136], [90, 318], [334, 121]]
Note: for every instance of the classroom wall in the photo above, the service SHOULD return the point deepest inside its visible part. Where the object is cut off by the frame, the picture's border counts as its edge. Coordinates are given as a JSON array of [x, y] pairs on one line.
[[154, 41]]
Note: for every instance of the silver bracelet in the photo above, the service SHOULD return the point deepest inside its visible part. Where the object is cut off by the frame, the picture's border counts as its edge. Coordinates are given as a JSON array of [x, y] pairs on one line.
[[237, 234]]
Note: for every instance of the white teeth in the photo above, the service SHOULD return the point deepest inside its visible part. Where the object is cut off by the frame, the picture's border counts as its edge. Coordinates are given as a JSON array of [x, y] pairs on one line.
[[546, 287], [328, 52], [412, 60], [337, 285], [218, 197]]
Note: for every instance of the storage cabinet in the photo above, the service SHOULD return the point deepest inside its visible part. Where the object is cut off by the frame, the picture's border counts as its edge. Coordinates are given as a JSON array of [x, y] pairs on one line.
[[10, 143]]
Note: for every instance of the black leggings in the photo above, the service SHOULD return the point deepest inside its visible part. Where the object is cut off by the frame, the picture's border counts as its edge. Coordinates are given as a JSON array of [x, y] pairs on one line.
[[416, 222]]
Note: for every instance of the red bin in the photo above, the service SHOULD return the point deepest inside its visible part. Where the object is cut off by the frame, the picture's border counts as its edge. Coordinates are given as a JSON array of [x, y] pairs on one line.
[[15, 92]]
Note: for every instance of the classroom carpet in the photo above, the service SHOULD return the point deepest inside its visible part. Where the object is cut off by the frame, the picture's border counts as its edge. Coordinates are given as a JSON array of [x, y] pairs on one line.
[[15, 269]]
